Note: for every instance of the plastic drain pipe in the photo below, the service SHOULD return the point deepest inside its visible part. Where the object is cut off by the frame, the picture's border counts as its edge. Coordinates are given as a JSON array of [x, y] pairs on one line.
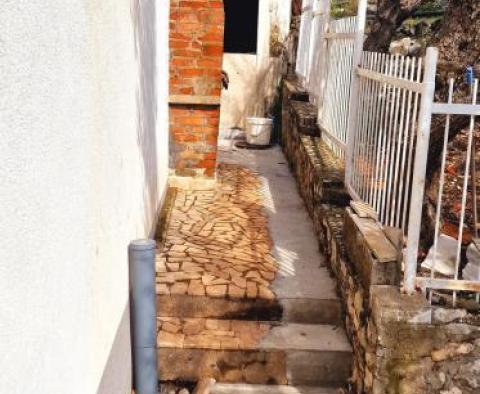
[[144, 315]]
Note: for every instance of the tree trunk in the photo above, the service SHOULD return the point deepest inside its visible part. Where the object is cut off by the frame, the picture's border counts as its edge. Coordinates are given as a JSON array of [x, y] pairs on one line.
[[458, 41], [390, 15]]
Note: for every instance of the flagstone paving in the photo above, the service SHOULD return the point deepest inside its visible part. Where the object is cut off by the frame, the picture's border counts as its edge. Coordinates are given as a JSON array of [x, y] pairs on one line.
[[217, 242], [210, 333], [243, 292]]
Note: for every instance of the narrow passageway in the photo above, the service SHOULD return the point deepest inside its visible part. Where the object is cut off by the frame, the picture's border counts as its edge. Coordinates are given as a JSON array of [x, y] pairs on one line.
[[243, 293], [301, 271]]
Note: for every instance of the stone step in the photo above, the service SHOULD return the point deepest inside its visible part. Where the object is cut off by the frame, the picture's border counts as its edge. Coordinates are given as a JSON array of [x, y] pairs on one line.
[[265, 389], [289, 310], [233, 351]]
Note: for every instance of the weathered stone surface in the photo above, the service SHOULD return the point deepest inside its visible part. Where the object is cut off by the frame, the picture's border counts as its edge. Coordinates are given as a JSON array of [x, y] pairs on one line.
[[196, 288], [252, 290], [319, 173], [167, 339], [223, 366], [179, 288], [235, 291], [371, 270], [240, 308], [211, 333], [217, 291], [217, 239]]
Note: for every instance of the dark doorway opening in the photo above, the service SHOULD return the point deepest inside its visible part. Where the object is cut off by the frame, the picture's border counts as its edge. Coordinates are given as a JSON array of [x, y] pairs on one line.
[[241, 26]]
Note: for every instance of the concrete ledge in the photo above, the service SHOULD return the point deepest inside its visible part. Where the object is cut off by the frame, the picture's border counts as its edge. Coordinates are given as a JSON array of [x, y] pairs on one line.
[[194, 100], [191, 183], [390, 306], [294, 91]]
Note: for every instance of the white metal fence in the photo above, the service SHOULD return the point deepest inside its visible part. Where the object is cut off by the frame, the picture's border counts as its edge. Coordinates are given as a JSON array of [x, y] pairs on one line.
[[375, 110], [326, 56], [317, 48], [445, 272], [383, 140], [334, 96], [303, 49], [388, 142]]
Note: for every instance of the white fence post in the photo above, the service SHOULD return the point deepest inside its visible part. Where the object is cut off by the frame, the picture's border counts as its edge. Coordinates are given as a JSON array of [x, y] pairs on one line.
[[320, 91], [353, 107], [303, 50], [419, 169]]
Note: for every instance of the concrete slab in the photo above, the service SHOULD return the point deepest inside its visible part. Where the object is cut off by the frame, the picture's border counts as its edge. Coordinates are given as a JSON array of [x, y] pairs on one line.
[[302, 272], [259, 389], [309, 337]]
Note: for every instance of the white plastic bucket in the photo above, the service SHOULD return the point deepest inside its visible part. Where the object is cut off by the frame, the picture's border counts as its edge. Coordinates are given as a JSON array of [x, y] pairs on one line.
[[259, 131]]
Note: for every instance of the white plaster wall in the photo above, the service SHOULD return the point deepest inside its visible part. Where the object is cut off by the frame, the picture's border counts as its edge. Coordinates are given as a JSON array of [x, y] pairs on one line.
[[254, 78], [83, 167], [237, 100]]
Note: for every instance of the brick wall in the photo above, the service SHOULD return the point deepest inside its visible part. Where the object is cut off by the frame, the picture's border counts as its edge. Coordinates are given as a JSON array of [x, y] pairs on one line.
[[196, 52]]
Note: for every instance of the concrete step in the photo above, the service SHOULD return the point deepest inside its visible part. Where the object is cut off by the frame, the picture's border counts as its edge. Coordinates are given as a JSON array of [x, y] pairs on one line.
[[265, 389], [253, 352], [288, 310]]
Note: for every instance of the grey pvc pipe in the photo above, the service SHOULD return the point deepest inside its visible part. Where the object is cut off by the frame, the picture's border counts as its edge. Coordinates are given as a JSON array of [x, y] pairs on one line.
[[143, 315]]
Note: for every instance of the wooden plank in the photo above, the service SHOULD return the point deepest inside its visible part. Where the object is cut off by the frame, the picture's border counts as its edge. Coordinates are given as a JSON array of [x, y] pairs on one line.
[[376, 240]]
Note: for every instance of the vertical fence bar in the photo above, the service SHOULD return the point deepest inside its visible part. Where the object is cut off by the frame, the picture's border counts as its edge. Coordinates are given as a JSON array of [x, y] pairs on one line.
[[313, 45], [404, 172], [418, 181], [372, 133], [441, 185], [411, 144], [353, 115], [391, 143], [378, 166], [385, 140], [471, 131], [303, 50], [396, 197]]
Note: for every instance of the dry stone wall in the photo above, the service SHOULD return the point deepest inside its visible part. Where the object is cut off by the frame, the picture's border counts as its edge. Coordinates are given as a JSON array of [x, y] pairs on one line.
[[401, 344]]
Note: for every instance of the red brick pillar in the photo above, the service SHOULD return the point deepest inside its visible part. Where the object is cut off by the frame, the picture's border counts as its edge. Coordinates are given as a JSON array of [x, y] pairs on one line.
[[196, 53]]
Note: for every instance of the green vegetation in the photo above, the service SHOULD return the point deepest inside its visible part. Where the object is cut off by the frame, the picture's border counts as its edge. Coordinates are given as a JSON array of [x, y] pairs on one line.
[[343, 8]]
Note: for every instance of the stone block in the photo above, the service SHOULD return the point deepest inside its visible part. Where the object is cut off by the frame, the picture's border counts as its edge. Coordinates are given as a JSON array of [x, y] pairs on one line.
[[372, 254], [389, 305], [305, 118]]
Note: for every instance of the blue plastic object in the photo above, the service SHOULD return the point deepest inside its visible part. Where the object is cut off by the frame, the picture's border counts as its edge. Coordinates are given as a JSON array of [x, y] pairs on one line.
[[469, 75]]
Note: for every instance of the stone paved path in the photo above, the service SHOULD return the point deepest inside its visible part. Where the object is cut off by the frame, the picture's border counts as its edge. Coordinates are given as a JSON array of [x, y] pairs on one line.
[[217, 242], [243, 292]]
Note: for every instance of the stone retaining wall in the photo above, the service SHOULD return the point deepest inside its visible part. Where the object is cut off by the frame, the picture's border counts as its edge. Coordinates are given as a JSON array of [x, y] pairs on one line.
[[401, 344]]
